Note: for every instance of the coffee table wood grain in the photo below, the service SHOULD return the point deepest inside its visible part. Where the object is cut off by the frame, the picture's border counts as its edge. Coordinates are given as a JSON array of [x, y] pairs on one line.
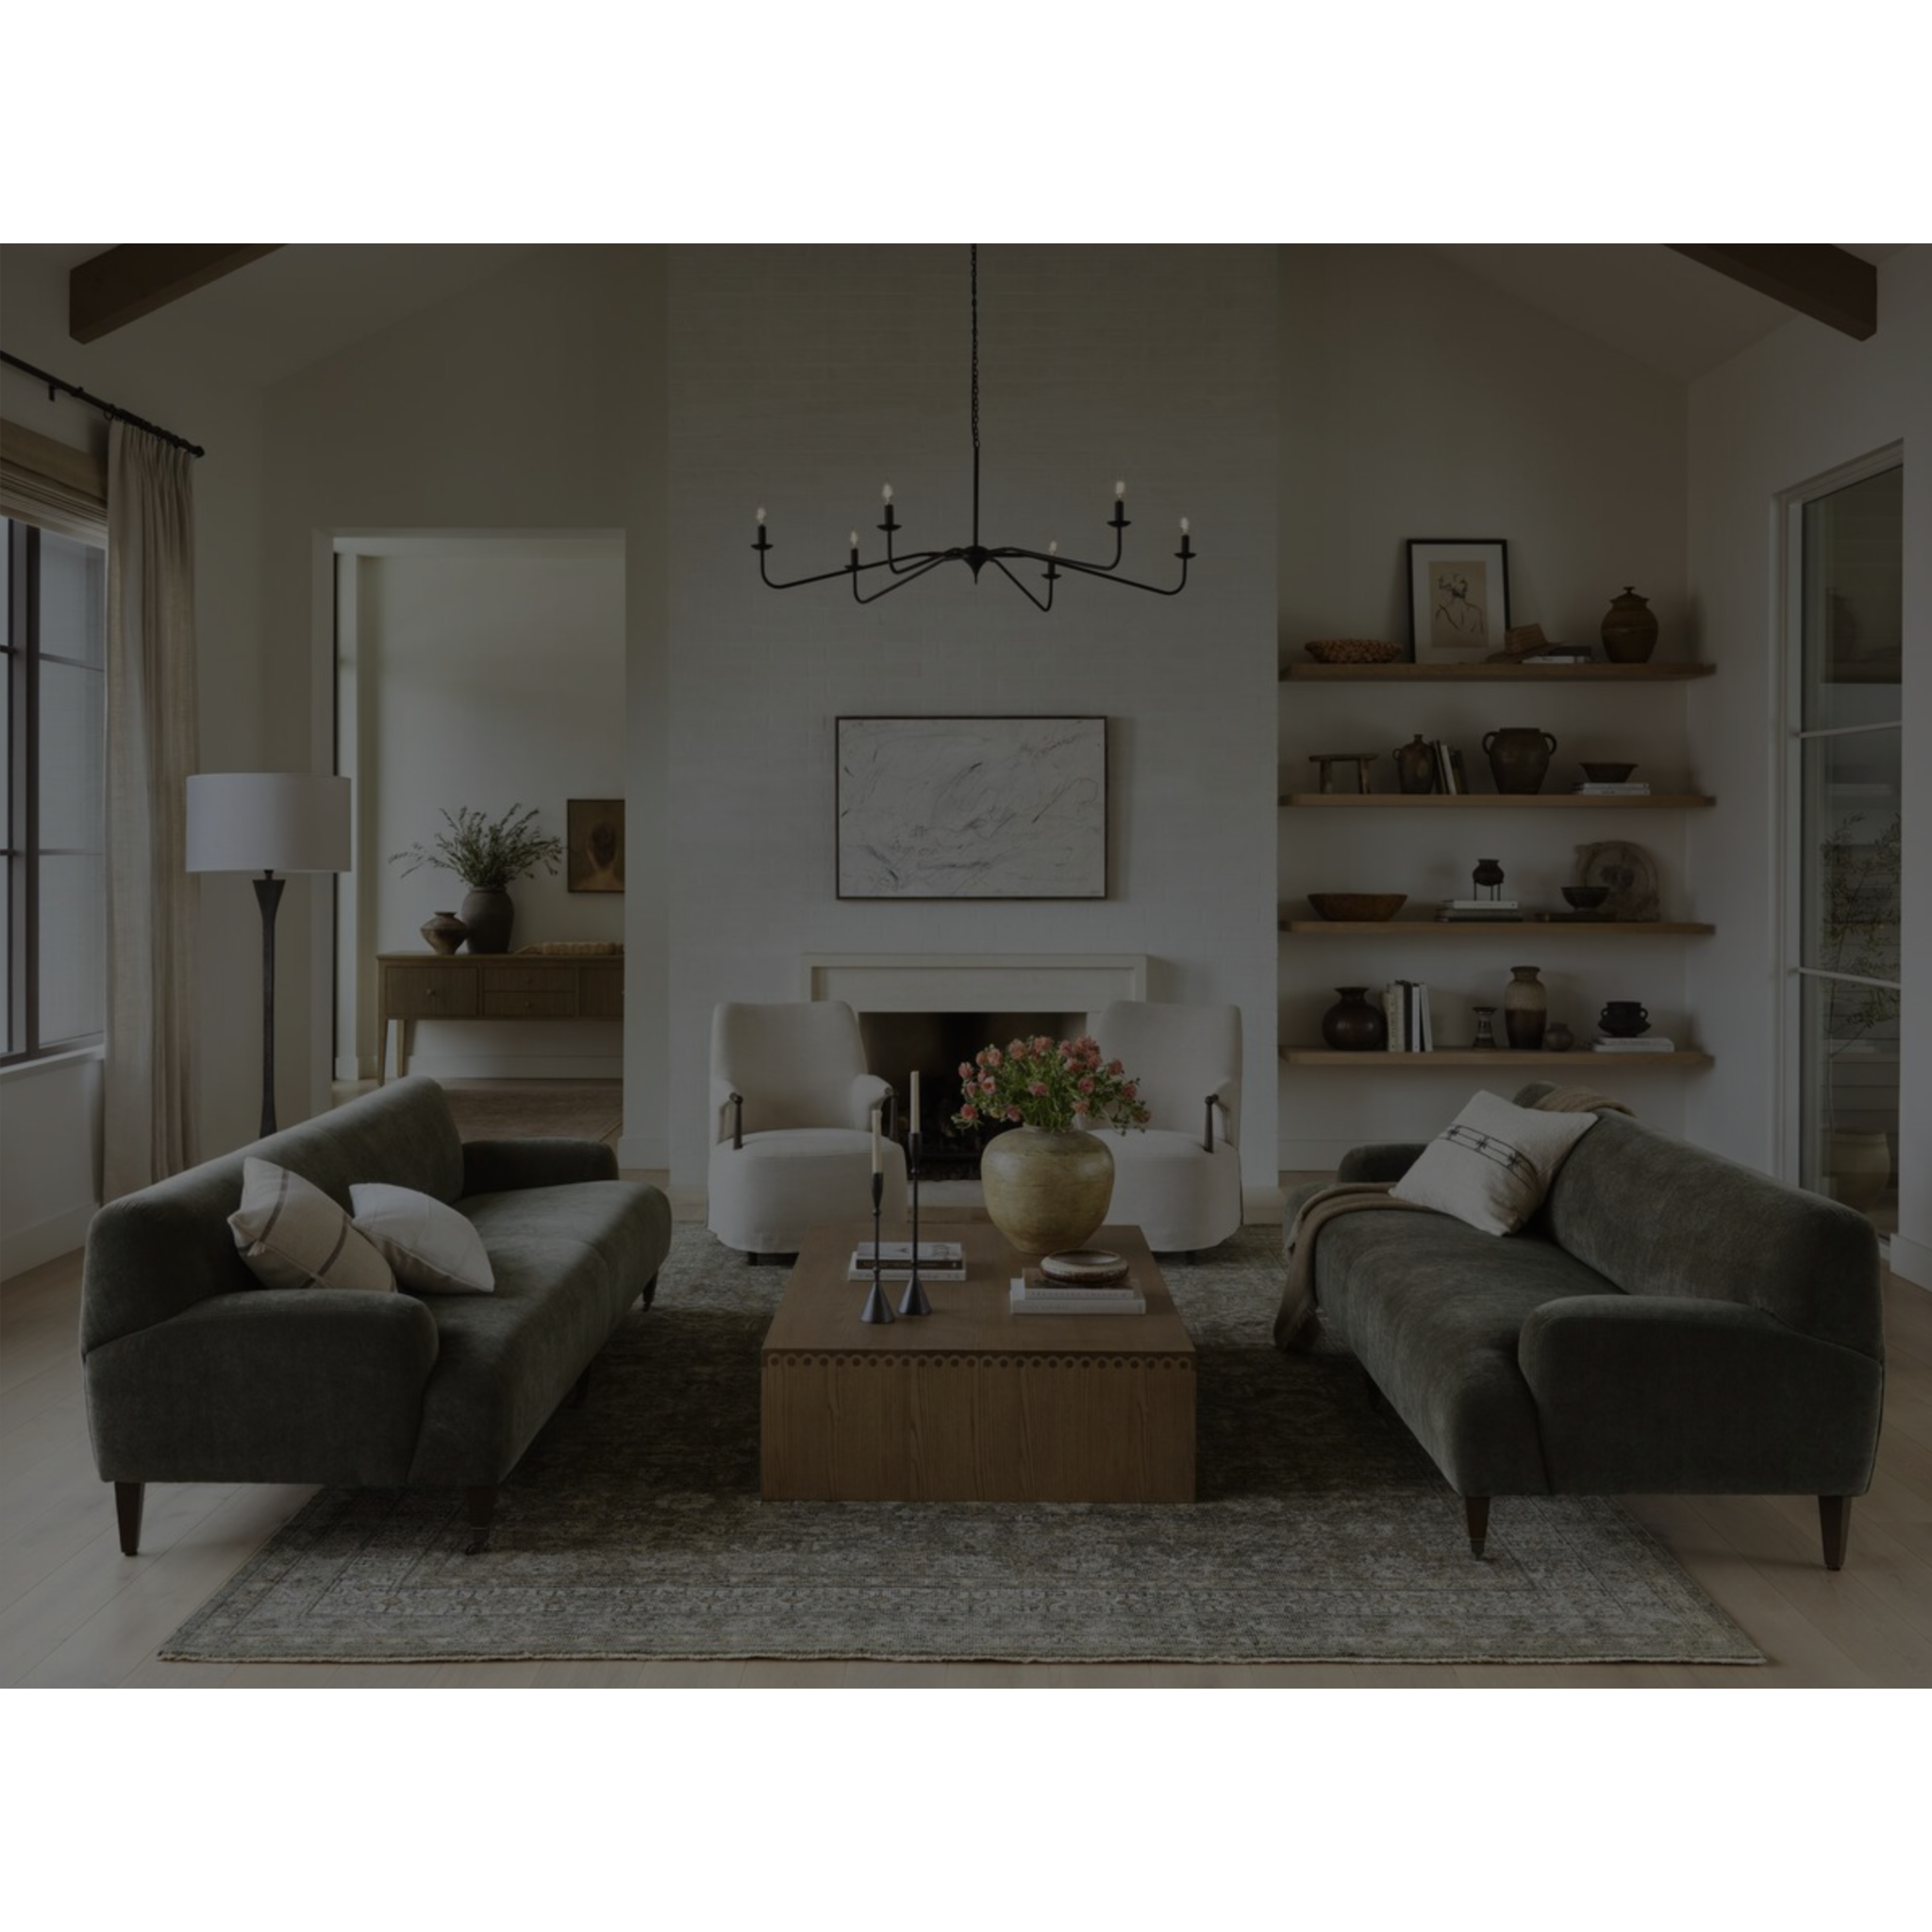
[[973, 1403]]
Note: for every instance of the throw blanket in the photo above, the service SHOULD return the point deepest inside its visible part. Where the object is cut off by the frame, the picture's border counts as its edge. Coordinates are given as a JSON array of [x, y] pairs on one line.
[[1295, 1323]]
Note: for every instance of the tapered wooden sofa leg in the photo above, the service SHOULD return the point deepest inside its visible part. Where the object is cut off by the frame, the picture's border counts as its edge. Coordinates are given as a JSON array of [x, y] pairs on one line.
[[1835, 1526], [479, 1504], [1476, 1508], [129, 1498]]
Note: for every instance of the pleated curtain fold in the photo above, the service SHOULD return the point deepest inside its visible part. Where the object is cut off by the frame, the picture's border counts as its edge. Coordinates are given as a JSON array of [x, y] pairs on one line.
[[153, 1053]]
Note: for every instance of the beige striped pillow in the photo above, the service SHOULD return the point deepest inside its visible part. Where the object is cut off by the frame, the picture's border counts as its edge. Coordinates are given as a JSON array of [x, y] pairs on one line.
[[292, 1235]]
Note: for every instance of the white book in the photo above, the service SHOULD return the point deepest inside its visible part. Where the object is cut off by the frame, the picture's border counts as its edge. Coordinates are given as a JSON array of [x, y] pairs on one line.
[[901, 1252], [1024, 1300], [1392, 1013], [1632, 790], [1651, 1042], [1480, 904]]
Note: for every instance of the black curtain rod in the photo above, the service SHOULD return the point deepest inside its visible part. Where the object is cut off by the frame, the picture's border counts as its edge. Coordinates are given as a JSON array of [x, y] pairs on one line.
[[112, 410]]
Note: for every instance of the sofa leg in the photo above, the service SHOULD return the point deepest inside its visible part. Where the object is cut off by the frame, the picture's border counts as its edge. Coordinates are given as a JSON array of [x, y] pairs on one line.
[[650, 1292], [1835, 1526], [578, 1389], [1476, 1508], [479, 1505], [129, 1498]]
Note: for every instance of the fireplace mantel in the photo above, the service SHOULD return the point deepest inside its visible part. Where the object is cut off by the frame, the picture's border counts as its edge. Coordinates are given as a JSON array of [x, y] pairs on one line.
[[968, 983]]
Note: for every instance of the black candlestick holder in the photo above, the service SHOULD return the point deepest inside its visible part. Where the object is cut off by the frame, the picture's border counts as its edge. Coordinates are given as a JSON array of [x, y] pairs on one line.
[[876, 1308], [913, 1301]]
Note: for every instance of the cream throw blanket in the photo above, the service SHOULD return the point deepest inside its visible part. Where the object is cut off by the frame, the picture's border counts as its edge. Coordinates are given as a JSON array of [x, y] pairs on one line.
[[1295, 1323]]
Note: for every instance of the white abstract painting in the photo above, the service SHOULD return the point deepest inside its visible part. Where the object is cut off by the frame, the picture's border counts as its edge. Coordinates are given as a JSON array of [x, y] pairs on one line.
[[972, 808]]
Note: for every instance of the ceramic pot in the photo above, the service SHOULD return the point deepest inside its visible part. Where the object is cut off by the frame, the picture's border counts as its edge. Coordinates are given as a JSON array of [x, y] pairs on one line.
[[1625, 1019], [1525, 1007], [1857, 1166], [1415, 765], [1485, 1026], [1046, 1191], [443, 931], [1486, 879], [489, 915], [1557, 1037], [1630, 628], [1518, 756], [1353, 1024]]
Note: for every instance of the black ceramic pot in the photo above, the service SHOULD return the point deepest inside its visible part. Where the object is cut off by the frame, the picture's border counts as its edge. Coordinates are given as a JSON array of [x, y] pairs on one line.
[[1353, 1025]]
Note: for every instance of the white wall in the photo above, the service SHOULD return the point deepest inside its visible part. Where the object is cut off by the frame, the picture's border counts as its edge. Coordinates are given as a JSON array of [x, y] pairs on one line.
[[1418, 402], [804, 379], [484, 674], [1797, 406]]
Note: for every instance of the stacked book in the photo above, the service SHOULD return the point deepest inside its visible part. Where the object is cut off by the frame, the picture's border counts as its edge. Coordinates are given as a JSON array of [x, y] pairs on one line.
[[1034, 1295], [1406, 1006], [937, 1261], [1558, 654], [1650, 1042], [1454, 910], [1629, 789]]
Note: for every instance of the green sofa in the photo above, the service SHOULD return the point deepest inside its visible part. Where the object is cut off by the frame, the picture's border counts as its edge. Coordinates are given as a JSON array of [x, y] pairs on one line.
[[1667, 1322], [196, 1373]]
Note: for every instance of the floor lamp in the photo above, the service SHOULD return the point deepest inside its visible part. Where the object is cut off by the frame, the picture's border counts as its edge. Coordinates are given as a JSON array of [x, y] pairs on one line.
[[268, 822]]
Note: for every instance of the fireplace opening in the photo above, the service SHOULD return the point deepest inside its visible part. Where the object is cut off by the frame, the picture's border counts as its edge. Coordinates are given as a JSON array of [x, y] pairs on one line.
[[937, 1044]]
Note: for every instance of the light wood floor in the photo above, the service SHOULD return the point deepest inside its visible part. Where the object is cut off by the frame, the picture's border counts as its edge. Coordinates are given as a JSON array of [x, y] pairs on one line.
[[75, 1611]]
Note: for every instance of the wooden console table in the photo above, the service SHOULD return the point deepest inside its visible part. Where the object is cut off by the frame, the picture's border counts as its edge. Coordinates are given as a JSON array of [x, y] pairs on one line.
[[488, 986]]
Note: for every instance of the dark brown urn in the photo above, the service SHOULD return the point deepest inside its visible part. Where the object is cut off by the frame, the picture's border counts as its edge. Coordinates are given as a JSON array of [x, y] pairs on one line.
[[1353, 1025], [1630, 628]]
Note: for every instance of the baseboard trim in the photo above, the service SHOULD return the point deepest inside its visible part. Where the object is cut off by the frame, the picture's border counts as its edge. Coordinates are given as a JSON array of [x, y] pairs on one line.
[[1911, 1262], [47, 1240]]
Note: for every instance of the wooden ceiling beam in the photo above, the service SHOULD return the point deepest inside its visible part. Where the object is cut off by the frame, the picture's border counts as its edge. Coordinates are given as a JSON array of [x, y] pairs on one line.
[[1830, 285], [108, 291]]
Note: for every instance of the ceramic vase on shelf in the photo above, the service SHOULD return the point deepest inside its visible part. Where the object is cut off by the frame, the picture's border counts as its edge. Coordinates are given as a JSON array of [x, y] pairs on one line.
[[1485, 1027], [1557, 1037], [489, 915], [1415, 765], [1046, 1191], [1630, 628], [1353, 1022], [1518, 756], [1526, 1006], [443, 931]]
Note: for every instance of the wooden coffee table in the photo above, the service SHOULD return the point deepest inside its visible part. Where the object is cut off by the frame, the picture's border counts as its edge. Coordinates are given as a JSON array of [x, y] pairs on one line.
[[973, 1403]]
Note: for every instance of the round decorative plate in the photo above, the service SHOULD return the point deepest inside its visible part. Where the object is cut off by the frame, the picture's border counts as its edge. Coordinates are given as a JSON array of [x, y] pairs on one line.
[[1627, 871], [1085, 1267]]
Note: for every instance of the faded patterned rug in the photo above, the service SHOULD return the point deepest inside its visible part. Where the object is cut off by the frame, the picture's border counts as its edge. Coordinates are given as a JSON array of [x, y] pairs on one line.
[[633, 1530], [574, 1109]]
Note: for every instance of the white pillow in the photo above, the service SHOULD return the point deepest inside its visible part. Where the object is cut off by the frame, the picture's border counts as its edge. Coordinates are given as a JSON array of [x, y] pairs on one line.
[[1492, 1165], [425, 1241], [292, 1235]]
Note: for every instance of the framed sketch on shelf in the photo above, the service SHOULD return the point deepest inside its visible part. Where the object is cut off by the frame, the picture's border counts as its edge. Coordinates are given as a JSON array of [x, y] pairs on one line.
[[1458, 598], [593, 845], [972, 808]]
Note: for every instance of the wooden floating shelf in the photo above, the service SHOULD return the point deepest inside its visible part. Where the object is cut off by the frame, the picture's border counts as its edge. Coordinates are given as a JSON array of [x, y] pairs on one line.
[[1509, 801], [1489, 673], [1416, 928], [1487, 1056]]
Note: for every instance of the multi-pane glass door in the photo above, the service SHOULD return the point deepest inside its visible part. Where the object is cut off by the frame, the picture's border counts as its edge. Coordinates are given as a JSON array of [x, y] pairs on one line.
[[1849, 831]]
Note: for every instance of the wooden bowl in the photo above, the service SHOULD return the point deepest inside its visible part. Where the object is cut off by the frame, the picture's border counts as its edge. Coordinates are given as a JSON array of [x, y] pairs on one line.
[[1085, 1267], [1357, 905], [1606, 774]]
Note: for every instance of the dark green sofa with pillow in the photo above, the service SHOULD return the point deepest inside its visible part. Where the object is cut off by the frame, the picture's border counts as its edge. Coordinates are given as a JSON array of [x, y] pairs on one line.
[[195, 1372], [1666, 1322]]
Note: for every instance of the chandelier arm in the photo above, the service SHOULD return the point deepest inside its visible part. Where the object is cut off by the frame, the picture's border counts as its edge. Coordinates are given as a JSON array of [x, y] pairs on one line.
[[993, 559], [898, 583], [792, 583], [1104, 573]]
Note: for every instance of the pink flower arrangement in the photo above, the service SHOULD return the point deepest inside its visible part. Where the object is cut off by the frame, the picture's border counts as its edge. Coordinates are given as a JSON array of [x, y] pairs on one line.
[[1055, 1084]]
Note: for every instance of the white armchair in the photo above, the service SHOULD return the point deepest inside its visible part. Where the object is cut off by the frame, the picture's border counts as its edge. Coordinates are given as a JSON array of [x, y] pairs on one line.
[[791, 1106], [1179, 1180]]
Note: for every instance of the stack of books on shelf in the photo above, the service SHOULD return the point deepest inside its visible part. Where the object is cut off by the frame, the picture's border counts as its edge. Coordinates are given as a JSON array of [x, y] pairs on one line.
[[1454, 909], [1629, 789], [1650, 1042], [937, 1261], [1558, 654], [1406, 1006], [1449, 774], [1034, 1295]]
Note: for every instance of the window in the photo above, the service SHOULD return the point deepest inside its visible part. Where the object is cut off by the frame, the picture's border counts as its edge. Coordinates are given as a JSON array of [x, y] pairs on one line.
[[52, 732]]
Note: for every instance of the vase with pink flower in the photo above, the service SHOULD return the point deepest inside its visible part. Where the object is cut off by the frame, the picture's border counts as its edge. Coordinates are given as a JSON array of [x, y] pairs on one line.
[[1048, 1179]]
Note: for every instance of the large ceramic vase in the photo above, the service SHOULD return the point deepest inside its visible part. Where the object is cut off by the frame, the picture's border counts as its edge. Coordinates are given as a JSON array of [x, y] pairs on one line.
[[444, 932], [1518, 756], [1046, 1191], [1630, 628], [1525, 1007], [489, 915], [1352, 1024]]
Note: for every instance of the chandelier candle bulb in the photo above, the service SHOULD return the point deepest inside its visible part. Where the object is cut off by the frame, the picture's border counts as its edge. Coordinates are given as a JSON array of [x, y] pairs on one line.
[[1120, 490]]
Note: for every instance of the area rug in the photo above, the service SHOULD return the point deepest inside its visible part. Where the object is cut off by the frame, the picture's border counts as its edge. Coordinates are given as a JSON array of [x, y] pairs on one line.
[[502, 1109], [633, 1530]]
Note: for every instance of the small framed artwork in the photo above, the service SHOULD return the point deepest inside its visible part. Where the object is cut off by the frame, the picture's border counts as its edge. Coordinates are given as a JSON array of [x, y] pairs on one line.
[[1458, 598], [593, 845], [972, 808]]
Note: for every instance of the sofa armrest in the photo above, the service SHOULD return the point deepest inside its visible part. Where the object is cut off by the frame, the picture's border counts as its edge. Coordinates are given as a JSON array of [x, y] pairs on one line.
[[868, 1091], [1386, 1160], [1687, 1394], [269, 1385], [500, 1167]]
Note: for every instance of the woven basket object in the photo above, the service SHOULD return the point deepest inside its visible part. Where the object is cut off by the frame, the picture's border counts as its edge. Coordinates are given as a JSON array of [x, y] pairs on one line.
[[1353, 651]]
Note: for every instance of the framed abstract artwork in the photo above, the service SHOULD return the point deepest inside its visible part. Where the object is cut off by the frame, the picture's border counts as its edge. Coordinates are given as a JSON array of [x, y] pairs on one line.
[[593, 845], [1458, 598], [972, 808]]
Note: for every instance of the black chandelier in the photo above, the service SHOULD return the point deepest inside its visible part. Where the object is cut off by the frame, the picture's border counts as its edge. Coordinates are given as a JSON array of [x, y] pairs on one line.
[[902, 568]]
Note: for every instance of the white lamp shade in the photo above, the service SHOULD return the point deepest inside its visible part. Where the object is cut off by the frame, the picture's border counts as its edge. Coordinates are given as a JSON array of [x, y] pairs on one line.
[[267, 822]]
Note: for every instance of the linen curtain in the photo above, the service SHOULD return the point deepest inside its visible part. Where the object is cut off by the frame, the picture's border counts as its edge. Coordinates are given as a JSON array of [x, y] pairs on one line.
[[152, 1073]]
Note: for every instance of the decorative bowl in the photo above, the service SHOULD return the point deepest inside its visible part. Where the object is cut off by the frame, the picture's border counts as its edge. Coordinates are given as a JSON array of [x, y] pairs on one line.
[[1606, 774], [1353, 651], [1586, 898], [1085, 1267], [1357, 905]]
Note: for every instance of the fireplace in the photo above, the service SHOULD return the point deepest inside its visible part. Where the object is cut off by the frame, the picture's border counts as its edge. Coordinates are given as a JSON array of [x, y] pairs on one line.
[[931, 1012]]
